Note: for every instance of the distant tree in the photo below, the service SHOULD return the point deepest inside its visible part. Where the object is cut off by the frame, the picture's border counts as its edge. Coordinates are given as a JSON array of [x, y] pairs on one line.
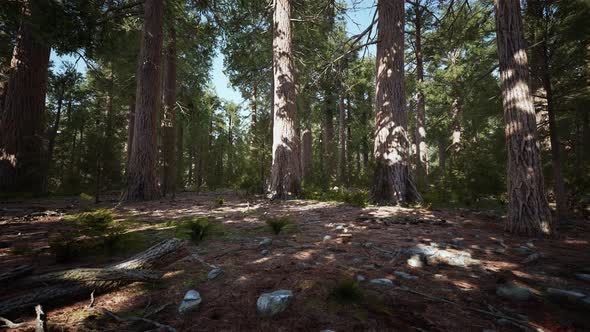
[[168, 182]]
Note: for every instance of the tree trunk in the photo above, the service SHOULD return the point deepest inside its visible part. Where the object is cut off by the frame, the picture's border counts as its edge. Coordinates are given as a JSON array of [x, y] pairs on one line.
[[180, 157], [528, 210], [392, 182], [130, 130], [342, 142], [456, 113], [542, 73], [54, 130], [142, 180], [329, 136], [306, 152], [442, 157], [286, 174], [169, 120], [421, 147], [22, 120], [254, 105]]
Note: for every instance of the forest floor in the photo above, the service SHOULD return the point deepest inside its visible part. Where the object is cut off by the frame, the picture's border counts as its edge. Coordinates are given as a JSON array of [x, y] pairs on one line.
[[373, 242]]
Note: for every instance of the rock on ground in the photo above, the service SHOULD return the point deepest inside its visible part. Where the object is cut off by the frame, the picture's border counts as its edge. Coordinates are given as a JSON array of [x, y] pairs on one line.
[[270, 304], [216, 272], [382, 282], [190, 302], [514, 292]]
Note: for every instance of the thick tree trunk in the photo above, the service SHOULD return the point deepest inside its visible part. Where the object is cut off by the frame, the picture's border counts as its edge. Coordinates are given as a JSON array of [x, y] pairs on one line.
[[22, 120], [342, 142], [421, 147], [142, 180], [286, 173], [528, 210], [306, 152], [168, 184], [392, 182]]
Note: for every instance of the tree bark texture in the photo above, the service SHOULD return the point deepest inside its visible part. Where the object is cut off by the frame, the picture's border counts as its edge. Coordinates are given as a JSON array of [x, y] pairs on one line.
[[528, 210], [306, 153], [22, 159], [168, 184], [130, 129], [142, 179], [286, 173], [392, 183]]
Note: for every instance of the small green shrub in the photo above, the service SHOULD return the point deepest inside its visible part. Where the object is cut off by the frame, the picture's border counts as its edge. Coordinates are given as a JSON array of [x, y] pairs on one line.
[[86, 201], [219, 201], [346, 291], [196, 229], [357, 198], [278, 224]]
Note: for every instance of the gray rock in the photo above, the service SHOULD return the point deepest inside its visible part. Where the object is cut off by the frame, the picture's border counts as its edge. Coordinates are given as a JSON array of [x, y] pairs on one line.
[[435, 256], [265, 252], [503, 322], [562, 295], [532, 257], [340, 228], [270, 304], [514, 292], [583, 276], [265, 242], [416, 261], [216, 272], [382, 282], [405, 275], [190, 302], [327, 238], [360, 278]]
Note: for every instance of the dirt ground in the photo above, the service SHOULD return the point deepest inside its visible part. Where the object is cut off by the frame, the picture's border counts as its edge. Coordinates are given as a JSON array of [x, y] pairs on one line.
[[441, 298]]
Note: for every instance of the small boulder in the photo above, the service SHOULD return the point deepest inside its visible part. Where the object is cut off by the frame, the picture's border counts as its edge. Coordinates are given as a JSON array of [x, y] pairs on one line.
[[265, 242], [562, 295], [216, 272], [416, 262], [327, 238], [270, 304], [404, 275], [190, 302], [514, 292], [382, 282], [265, 252], [360, 278]]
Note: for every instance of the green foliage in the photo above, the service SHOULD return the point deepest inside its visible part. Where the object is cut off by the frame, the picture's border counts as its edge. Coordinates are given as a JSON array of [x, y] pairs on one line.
[[86, 201], [358, 198], [219, 201], [83, 231], [277, 224], [346, 291], [194, 228]]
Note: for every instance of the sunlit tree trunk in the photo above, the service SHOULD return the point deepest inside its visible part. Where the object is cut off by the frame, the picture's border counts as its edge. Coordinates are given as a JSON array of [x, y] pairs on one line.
[[22, 119], [168, 184], [392, 183], [286, 174], [142, 178], [528, 210], [421, 147], [456, 114]]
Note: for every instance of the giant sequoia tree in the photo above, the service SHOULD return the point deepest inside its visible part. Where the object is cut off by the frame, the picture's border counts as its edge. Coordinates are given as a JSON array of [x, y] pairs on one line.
[[285, 174], [528, 210], [392, 183], [141, 177], [22, 159]]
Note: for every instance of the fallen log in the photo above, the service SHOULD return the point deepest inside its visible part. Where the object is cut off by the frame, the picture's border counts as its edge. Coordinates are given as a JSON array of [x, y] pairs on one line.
[[83, 281], [15, 273]]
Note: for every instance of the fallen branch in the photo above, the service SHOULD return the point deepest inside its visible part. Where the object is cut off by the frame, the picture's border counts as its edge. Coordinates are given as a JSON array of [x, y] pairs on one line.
[[92, 277], [11, 325], [41, 320], [99, 280], [136, 319]]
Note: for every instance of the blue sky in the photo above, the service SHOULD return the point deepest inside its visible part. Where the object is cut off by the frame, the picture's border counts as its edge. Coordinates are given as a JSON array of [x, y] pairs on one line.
[[357, 20]]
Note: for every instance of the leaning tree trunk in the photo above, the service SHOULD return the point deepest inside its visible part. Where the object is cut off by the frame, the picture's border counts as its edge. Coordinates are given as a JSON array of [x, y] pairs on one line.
[[142, 180], [421, 147], [22, 120], [342, 142], [528, 210], [286, 174], [392, 183], [169, 120]]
